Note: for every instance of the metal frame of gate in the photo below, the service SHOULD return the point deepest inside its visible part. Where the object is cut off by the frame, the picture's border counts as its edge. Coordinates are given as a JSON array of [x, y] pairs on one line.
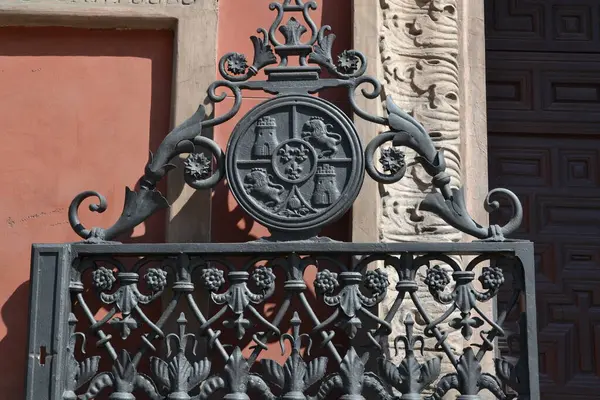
[[295, 164]]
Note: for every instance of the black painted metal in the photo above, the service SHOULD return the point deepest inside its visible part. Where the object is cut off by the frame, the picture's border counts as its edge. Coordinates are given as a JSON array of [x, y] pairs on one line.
[[294, 163]]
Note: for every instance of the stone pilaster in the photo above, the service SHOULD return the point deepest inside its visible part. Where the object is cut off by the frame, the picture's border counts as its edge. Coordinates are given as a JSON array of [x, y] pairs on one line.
[[432, 63], [419, 49]]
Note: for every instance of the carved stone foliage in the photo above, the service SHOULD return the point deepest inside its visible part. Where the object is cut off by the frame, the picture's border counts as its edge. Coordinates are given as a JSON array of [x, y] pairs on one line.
[[419, 51], [325, 353]]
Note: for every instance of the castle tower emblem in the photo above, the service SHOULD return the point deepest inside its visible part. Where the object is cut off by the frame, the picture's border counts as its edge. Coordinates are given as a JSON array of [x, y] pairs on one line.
[[326, 190], [266, 137]]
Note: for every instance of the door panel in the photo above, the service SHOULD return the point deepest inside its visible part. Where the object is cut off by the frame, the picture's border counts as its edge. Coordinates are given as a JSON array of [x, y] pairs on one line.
[[543, 58], [571, 26]]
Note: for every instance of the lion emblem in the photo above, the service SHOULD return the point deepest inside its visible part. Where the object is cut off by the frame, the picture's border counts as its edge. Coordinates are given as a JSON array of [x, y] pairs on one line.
[[258, 185], [317, 132]]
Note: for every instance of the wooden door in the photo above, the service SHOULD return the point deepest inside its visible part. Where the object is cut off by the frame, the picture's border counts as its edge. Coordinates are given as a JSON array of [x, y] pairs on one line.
[[543, 82]]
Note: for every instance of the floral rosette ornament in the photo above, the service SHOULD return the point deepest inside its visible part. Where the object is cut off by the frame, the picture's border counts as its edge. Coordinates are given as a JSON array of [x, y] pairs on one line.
[[437, 279], [103, 278], [237, 63], [377, 281], [348, 62], [213, 279], [491, 278], [326, 282], [197, 166], [350, 302], [263, 278], [156, 279], [392, 160]]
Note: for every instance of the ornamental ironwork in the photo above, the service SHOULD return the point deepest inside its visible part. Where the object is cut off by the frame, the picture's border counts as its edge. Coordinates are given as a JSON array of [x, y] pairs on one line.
[[294, 163]]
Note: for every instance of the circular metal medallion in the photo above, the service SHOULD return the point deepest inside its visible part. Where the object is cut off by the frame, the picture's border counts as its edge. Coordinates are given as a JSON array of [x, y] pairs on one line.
[[295, 163]]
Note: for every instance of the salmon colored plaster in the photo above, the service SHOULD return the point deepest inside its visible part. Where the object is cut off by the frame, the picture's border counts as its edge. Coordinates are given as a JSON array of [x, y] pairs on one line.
[[79, 110]]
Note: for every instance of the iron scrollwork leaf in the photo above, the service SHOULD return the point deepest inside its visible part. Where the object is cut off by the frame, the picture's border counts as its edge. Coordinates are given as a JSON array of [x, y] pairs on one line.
[[350, 63], [447, 203], [469, 379], [410, 377], [295, 376], [322, 50], [137, 208], [178, 375], [237, 379], [141, 204], [78, 373], [234, 66], [124, 379], [352, 380]]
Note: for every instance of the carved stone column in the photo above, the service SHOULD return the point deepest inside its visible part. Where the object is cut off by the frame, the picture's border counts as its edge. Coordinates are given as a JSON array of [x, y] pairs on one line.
[[431, 62]]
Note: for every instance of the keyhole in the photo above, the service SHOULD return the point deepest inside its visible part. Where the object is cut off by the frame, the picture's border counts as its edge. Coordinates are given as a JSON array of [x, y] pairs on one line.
[[43, 355]]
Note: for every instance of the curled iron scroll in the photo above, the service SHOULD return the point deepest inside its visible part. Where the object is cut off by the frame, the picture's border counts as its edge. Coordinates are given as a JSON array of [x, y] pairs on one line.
[[281, 10], [141, 204], [233, 66], [350, 63], [447, 202]]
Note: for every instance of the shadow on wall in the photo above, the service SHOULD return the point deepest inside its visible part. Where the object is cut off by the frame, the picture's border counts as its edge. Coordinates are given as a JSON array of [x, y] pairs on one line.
[[79, 110], [13, 346]]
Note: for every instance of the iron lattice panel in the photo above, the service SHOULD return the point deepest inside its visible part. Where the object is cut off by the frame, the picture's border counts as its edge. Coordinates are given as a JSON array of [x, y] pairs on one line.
[[186, 349]]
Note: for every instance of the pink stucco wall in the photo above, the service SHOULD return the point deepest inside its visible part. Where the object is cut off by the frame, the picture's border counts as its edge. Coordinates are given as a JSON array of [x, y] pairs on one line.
[[79, 110]]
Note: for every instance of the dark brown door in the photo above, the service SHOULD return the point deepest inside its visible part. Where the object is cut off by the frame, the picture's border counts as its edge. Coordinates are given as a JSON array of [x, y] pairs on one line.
[[543, 72]]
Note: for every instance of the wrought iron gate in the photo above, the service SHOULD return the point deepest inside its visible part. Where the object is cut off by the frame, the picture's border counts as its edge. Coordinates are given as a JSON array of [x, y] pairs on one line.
[[294, 163]]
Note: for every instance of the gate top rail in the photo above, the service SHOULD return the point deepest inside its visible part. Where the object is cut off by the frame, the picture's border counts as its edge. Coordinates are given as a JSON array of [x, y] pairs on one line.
[[304, 247], [295, 163]]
